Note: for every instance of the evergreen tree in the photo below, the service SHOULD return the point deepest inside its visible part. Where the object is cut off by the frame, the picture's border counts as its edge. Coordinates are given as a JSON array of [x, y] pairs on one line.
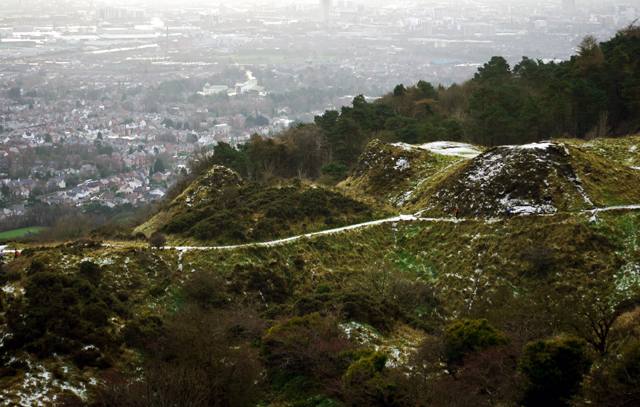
[[158, 166]]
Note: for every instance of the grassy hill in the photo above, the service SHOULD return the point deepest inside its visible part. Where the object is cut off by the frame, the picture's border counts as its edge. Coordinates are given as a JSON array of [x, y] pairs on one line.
[[219, 208], [395, 172], [623, 150], [554, 177]]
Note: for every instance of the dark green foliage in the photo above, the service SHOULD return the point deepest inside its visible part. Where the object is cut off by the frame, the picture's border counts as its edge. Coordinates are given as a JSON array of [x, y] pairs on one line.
[[498, 107], [398, 123], [428, 90], [256, 121], [323, 289], [258, 212], [90, 271], [157, 240], [62, 313], [596, 93], [626, 372], [224, 154], [206, 290], [267, 283], [347, 131], [494, 72], [336, 171], [555, 370], [143, 330], [467, 337], [369, 366], [356, 305], [158, 166], [14, 93], [368, 382]]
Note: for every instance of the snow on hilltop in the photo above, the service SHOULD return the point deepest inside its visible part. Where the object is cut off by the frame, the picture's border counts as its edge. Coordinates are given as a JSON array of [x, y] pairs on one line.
[[445, 148], [397, 172], [550, 176]]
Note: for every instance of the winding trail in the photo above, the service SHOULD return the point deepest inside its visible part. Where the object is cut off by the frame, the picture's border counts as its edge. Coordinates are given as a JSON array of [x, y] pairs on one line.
[[415, 217]]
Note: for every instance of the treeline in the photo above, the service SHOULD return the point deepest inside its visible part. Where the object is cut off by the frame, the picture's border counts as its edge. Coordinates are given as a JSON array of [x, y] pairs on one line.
[[595, 94]]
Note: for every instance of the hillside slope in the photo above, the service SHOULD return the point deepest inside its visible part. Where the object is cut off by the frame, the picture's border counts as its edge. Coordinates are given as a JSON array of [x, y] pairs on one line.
[[83, 314], [473, 269], [623, 150]]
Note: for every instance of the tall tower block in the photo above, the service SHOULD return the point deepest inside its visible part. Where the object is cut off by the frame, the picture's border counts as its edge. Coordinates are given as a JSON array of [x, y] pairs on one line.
[[325, 10]]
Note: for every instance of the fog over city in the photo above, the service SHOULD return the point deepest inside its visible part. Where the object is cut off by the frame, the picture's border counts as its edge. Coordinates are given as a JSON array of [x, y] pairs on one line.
[[96, 89]]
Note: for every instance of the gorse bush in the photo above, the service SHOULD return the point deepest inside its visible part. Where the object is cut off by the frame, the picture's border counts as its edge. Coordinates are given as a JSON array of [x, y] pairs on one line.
[[63, 313], [157, 240], [466, 337], [260, 212], [555, 370], [305, 346]]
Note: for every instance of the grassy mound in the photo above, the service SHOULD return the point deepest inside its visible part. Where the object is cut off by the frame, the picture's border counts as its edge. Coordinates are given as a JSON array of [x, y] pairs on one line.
[[220, 209], [553, 177], [395, 172]]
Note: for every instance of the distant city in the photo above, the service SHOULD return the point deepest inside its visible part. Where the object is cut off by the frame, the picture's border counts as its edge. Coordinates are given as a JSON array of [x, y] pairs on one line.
[[93, 95]]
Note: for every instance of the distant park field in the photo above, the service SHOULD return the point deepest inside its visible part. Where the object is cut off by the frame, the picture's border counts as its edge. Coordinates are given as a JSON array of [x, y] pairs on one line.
[[20, 232]]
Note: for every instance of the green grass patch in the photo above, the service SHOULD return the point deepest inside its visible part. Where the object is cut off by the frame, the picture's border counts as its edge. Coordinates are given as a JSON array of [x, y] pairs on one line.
[[20, 232]]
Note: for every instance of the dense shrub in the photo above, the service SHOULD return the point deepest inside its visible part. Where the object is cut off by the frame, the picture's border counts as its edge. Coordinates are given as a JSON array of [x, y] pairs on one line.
[[203, 358], [323, 289], [355, 305], [305, 346], [466, 337], [157, 240], [555, 370], [259, 211], [368, 382], [266, 282], [61, 312], [206, 289], [143, 330]]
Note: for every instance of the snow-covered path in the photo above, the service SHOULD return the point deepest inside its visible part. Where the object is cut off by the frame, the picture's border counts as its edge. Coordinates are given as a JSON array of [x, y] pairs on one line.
[[324, 232], [613, 208], [395, 219]]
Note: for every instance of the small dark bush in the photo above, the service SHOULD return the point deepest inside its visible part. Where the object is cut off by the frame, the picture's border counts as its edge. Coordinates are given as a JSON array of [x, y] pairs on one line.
[[90, 271], [206, 290], [90, 357], [466, 337], [323, 288], [7, 371], [305, 346], [157, 240], [143, 330]]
